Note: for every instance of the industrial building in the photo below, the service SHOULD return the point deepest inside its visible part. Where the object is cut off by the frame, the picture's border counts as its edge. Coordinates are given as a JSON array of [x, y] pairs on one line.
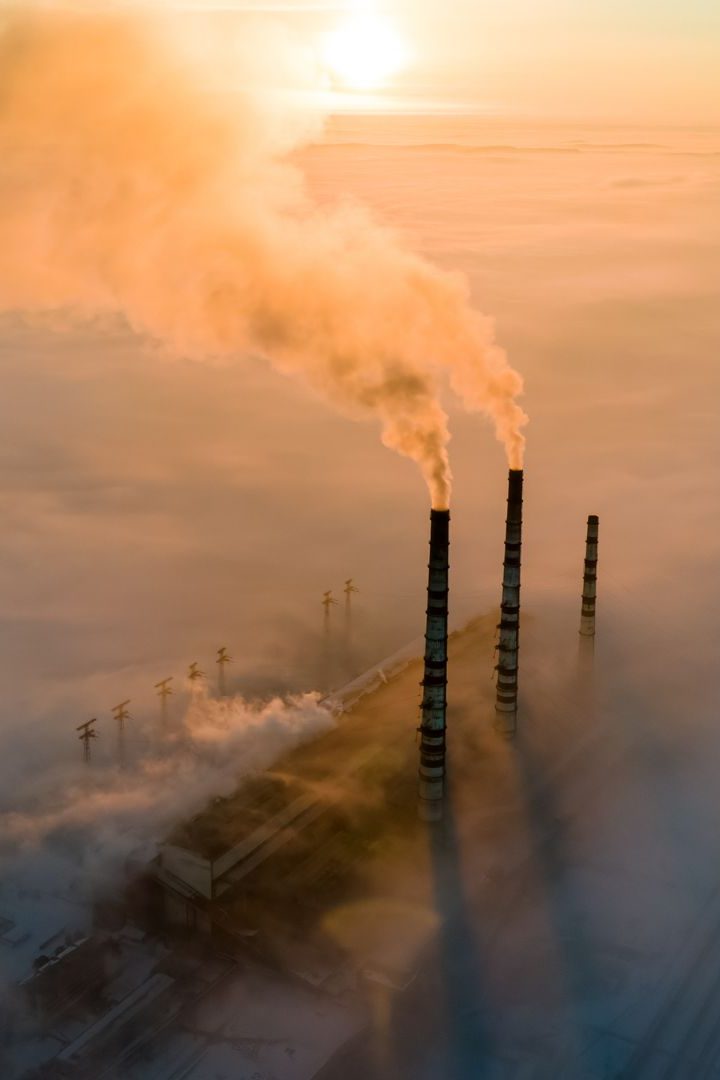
[[294, 838], [310, 823]]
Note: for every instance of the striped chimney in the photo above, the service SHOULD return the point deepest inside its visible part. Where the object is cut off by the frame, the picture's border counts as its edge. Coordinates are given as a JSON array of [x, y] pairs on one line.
[[589, 596], [509, 627], [431, 787]]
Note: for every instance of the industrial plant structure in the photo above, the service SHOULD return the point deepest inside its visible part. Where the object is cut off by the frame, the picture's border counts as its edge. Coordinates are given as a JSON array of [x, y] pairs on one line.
[[506, 703], [266, 871], [589, 596], [434, 702]]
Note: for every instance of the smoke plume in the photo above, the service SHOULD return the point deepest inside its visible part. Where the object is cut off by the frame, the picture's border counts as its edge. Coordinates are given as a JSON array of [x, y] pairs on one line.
[[141, 176]]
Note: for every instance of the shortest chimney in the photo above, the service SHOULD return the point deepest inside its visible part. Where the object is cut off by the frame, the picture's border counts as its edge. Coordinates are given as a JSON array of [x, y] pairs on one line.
[[587, 616], [434, 703]]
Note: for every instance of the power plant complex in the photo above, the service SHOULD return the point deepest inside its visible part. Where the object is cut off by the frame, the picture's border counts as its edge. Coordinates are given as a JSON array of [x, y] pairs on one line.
[[234, 848], [259, 872]]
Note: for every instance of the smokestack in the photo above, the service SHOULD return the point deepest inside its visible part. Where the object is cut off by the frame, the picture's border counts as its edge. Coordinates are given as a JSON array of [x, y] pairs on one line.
[[587, 616], [434, 703], [509, 640]]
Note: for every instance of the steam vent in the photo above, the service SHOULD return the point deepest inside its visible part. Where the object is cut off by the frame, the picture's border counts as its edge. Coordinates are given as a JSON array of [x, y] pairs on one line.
[[434, 702], [587, 616], [509, 640]]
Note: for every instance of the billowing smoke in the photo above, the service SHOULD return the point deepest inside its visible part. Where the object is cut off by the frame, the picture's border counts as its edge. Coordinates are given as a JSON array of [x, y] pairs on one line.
[[143, 177]]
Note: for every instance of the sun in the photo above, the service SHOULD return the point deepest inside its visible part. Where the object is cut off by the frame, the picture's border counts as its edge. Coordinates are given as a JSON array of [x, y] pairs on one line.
[[365, 52]]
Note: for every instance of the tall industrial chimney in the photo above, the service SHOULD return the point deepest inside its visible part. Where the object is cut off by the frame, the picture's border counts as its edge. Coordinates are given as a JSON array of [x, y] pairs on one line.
[[587, 615], [434, 703], [508, 643]]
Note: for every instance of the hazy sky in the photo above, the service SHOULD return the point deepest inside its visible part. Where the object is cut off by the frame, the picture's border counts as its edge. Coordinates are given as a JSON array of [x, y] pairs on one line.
[[650, 60]]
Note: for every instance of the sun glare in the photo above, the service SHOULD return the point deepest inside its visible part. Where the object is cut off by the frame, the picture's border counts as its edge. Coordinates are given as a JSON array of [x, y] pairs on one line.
[[365, 52]]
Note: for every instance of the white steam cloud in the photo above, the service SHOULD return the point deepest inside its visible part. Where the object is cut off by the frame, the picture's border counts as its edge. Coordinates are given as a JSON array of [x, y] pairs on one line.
[[143, 176], [106, 812], [75, 831]]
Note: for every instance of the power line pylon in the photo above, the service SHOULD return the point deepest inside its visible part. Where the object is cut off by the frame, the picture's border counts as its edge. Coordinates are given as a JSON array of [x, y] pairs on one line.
[[87, 734], [349, 590], [222, 660], [164, 691], [194, 672], [121, 714], [328, 601]]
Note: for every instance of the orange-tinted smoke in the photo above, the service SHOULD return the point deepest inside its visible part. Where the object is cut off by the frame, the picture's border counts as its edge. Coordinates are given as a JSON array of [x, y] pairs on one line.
[[127, 185]]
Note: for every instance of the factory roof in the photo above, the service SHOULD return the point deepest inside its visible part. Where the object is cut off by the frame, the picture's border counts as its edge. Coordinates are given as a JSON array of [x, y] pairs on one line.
[[364, 769], [301, 779]]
